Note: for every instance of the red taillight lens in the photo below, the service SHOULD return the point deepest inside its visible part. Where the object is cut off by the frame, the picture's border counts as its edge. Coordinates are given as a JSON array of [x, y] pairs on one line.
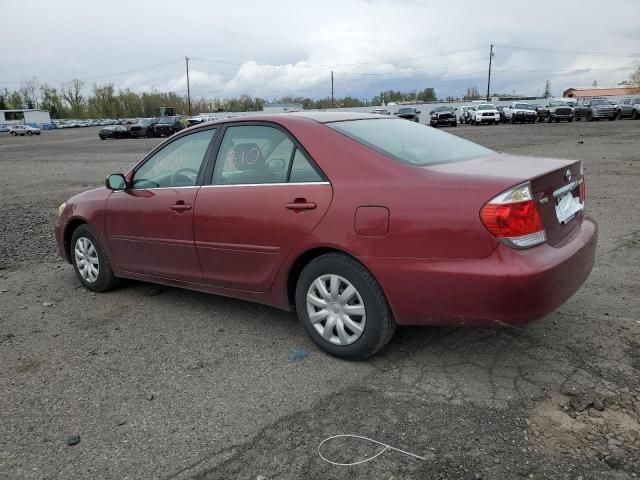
[[513, 218]]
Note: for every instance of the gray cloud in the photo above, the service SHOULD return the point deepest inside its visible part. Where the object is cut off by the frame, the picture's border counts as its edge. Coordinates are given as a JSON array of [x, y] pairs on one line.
[[283, 47]]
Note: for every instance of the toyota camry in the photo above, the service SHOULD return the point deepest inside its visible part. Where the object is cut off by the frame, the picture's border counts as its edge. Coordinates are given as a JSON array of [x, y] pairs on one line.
[[358, 222]]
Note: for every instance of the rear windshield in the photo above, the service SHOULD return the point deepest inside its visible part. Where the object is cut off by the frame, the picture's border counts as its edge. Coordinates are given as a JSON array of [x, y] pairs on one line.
[[407, 110], [410, 142]]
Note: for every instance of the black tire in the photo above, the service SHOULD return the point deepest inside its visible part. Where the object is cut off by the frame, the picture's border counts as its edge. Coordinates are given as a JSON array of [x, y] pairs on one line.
[[37, 133], [570, 119], [105, 280], [379, 326], [636, 115], [513, 120], [611, 119], [589, 117], [14, 134], [29, 133]]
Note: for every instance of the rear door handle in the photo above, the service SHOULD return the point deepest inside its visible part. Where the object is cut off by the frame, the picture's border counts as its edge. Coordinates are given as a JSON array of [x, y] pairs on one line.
[[180, 207], [301, 205]]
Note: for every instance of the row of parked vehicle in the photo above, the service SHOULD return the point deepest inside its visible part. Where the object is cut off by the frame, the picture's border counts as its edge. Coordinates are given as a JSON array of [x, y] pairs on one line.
[[590, 109], [152, 127]]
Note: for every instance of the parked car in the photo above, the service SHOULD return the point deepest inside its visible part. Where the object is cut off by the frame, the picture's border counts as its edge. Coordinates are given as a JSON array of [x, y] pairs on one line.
[[520, 112], [595, 109], [167, 126], [543, 112], [466, 111], [501, 112], [444, 115], [629, 107], [408, 113], [4, 127], [341, 217], [559, 110], [114, 131], [486, 113], [23, 130], [144, 127], [200, 119]]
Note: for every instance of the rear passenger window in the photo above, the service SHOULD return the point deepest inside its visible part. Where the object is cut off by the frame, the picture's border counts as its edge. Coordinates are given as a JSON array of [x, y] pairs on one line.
[[302, 171], [253, 155]]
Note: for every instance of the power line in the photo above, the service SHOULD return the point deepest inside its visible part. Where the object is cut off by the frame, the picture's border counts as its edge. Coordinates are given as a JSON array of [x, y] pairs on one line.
[[570, 52]]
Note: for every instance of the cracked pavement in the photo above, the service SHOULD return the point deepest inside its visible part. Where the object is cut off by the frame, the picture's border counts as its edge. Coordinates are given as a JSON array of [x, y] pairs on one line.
[[172, 384]]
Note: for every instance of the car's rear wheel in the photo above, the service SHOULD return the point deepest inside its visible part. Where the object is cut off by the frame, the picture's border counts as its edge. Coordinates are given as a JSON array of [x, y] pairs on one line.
[[343, 308], [570, 119], [29, 133], [90, 261], [14, 133]]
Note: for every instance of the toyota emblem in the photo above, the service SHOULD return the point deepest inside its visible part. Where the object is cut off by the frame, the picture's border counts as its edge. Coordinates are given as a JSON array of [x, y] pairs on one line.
[[567, 176]]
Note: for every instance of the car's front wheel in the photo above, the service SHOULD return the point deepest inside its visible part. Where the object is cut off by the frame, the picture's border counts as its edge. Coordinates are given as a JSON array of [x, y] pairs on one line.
[[343, 308], [90, 261]]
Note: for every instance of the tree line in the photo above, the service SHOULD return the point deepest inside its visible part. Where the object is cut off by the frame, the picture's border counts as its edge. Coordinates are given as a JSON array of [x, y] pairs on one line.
[[71, 100]]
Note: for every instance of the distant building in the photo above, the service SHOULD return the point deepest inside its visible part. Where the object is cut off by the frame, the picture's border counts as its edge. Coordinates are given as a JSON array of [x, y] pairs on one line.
[[577, 92], [25, 116], [282, 107]]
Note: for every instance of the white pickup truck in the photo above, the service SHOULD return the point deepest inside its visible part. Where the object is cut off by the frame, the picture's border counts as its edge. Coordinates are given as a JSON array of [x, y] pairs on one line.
[[520, 112]]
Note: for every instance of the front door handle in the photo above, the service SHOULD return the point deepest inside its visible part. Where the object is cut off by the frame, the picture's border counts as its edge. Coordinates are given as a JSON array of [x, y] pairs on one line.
[[181, 207], [301, 205]]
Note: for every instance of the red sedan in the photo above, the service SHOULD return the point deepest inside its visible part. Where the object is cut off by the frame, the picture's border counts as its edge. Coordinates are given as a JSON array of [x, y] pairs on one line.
[[358, 222]]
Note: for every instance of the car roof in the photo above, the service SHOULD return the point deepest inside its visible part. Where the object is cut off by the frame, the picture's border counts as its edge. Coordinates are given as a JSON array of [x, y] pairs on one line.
[[320, 117]]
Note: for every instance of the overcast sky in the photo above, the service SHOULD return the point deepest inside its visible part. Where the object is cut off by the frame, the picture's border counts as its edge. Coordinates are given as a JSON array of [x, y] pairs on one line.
[[279, 47]]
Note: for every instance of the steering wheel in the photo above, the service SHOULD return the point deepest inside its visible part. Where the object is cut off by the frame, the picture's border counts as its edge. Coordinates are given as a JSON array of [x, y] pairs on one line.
[[188, 179]]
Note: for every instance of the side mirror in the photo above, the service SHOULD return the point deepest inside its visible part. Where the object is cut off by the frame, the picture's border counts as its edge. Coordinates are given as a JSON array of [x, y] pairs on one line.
[[418, 111], [430, 113], [116, 181], [455, 109]]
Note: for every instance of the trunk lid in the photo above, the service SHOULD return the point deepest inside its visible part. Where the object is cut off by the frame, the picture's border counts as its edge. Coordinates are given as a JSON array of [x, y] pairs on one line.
[[547, 175]]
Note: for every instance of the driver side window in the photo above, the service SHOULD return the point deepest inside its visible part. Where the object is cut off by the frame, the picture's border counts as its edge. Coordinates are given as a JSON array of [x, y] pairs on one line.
[[177, 164]]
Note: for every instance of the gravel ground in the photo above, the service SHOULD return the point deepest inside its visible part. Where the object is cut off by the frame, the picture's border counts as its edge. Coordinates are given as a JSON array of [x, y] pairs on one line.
[[150, 382]]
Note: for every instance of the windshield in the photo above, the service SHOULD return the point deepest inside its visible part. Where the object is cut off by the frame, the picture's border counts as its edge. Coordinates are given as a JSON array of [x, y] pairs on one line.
[[443, 109], [168, 120], [410, 142], [599, 102], [407, 110], [486, 107], [558, 104], [524, 106]]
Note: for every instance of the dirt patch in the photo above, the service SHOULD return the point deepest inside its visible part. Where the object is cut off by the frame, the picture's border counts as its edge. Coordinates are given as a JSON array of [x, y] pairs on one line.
[[598, 425]]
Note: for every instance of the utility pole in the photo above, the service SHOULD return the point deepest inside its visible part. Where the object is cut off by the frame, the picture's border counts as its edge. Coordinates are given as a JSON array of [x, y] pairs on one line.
[[188, 86], [332, 100], [489, 79]]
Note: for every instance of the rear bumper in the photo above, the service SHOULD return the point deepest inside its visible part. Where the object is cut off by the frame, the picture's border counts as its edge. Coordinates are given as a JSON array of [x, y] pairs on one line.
[[510, 287]]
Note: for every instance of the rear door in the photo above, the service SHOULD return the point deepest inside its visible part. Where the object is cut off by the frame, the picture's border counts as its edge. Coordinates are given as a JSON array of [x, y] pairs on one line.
[[265, 195]]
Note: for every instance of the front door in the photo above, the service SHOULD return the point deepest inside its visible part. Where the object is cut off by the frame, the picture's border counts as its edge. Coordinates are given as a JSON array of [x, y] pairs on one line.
[[150, 224], [265, 196]]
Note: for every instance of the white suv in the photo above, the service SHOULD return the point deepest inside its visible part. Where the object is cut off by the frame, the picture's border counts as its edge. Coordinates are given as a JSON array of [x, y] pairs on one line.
[[485, 113], [16, 130]]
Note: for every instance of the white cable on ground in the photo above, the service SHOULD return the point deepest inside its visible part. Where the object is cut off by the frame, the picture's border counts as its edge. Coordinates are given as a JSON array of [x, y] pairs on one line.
[[386, 447]]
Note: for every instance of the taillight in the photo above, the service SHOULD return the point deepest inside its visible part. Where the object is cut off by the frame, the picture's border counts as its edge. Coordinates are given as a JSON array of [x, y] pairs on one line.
[[513, 218]]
